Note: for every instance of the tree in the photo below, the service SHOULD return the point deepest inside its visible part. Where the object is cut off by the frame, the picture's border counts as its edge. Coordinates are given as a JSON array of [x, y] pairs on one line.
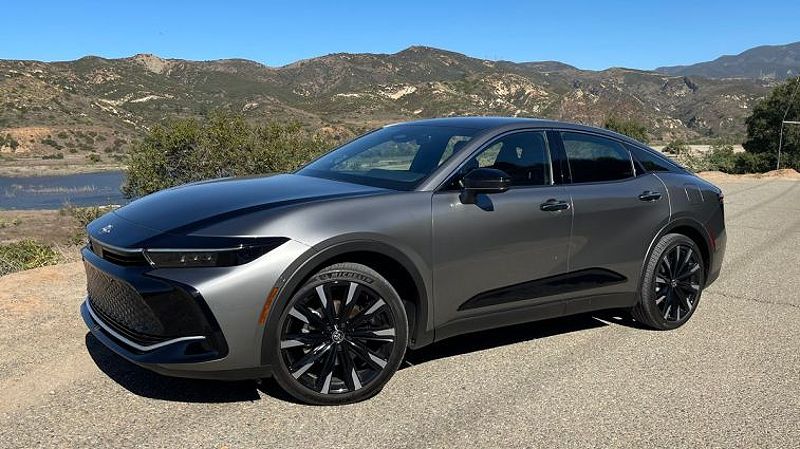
[[764, 125], [219, 145], [631, 128]]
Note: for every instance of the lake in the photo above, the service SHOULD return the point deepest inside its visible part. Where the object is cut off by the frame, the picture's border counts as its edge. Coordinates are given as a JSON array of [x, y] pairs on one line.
[[53, 192]]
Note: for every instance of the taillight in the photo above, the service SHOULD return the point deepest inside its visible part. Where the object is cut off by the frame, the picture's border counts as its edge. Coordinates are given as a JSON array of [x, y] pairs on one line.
[[721, 197]]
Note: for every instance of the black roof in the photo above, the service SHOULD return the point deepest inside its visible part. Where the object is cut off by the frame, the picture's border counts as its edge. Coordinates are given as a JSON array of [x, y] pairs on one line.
[[508, 123]]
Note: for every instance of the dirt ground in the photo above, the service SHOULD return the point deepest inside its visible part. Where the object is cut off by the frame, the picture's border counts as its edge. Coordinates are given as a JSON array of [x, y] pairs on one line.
[[784, 174], [49, 226]]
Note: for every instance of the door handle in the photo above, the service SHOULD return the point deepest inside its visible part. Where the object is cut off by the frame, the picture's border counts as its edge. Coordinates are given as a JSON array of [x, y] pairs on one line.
[[554, 205], [648, 195]]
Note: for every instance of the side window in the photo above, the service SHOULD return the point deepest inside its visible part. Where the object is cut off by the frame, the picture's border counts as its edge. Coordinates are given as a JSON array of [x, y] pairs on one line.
[[651, 162], [524, 156], [596, 159]]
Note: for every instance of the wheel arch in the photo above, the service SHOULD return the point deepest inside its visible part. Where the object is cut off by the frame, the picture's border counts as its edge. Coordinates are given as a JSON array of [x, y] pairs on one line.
[[392, 263], [692, 229]]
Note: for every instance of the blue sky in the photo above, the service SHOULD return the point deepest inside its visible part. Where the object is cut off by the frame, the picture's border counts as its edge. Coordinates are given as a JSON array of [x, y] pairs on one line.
[[588, 34]]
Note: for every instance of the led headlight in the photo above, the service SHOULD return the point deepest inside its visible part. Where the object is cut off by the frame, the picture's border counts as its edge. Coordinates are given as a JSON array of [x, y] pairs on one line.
[[227, 257]]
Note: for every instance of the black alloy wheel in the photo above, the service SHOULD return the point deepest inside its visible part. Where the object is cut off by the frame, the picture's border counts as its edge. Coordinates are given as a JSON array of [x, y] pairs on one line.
[[672, 283], [342, 336], [677, 285]]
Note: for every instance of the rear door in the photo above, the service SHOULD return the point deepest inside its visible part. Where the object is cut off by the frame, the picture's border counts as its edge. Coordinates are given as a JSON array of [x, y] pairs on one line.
[[617, 213]]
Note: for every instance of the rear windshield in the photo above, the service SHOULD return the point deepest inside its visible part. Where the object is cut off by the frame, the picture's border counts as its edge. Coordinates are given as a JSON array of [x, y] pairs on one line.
[[397, 157]]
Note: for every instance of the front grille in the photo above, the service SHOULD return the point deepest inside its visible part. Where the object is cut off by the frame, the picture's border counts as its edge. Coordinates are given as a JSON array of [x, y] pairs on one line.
[[117, 256], [121, 306]]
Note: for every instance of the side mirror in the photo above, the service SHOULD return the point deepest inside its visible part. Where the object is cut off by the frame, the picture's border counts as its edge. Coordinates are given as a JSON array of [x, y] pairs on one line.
[[483, 180]]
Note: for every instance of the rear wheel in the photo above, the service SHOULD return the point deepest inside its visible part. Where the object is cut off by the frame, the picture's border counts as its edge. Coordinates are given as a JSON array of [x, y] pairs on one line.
[[341, 336], [672, 284]]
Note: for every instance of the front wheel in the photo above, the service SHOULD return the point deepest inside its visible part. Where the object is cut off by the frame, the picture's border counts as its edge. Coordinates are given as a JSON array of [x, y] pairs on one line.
[[341, 336], [672, 284]]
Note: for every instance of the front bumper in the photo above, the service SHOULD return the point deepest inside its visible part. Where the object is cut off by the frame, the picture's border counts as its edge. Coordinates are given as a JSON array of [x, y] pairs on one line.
[[185, 322]]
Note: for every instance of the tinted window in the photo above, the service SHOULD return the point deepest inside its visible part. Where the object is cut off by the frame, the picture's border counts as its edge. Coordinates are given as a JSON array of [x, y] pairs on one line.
[[397, 157], [596, 159], [524, 156], [651, 161]]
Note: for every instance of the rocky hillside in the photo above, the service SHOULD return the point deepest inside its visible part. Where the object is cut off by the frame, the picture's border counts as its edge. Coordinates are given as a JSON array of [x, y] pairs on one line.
[[101, 105], [767, 62]]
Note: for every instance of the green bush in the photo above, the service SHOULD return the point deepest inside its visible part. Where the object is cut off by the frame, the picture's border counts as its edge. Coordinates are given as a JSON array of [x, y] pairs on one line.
[[84, 216], [94, 158], [721, 157], [9, 141], [677, 147], [631, 128], [49, 141], [26, 254], [53, 156], [222, 144], [753, 162]]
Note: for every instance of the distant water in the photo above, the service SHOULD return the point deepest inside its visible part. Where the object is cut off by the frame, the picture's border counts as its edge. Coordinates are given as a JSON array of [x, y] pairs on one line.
[[53, 192]]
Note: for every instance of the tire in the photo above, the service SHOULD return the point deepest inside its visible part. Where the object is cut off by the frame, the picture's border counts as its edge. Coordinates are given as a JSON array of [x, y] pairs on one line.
[[341, 337], [672, 283]]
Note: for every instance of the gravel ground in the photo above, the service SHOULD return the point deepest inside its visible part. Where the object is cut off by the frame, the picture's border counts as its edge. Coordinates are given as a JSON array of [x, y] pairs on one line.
[[729, 378]]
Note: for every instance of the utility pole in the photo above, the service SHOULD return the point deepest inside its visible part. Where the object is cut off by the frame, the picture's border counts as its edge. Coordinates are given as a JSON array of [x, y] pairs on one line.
[[787, 122]]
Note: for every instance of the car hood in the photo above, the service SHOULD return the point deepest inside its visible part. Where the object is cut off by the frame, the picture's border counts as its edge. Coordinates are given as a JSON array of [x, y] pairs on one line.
[[184, 209]]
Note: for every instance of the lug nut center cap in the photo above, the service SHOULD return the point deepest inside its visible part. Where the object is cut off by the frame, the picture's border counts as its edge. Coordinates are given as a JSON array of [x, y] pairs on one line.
[[337, 336]]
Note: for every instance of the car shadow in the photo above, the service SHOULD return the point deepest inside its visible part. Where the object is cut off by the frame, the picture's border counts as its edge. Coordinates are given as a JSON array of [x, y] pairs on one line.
[[145, 383], [479, 341]]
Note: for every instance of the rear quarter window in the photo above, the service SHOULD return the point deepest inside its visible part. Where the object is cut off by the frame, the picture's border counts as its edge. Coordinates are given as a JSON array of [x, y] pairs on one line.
[[596, 159], [651, 161]]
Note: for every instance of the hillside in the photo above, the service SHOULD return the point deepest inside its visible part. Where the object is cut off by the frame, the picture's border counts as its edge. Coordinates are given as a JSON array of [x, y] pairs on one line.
[[765, 62], [101, 105]]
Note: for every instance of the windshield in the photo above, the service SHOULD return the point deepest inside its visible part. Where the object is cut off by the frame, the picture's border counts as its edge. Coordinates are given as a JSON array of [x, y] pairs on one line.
[[396, 157]]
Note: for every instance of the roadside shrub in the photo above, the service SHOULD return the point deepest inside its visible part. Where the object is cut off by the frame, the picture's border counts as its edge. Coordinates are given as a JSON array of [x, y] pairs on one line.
[[53, 156], [677, 147], [721, 158], [94, 158], [219, 145], [748, 162], [26, 254], [631, 128]]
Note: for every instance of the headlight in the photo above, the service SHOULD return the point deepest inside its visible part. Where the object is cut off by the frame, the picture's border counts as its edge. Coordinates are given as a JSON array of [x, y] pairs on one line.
[[227, 257]]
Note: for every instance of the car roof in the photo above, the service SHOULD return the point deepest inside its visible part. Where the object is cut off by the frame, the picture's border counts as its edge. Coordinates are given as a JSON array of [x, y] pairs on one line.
[[485, 123]]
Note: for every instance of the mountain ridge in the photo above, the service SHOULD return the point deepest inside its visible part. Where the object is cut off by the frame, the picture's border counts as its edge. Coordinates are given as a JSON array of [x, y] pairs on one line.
[[768, 62], [118, 99]]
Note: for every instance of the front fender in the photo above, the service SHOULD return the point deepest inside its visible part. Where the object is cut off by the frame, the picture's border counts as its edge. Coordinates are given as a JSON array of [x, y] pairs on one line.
[[317, 257]]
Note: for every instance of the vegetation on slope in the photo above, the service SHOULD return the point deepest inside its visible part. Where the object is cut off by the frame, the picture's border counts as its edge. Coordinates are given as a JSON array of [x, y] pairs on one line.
[[219, 145]]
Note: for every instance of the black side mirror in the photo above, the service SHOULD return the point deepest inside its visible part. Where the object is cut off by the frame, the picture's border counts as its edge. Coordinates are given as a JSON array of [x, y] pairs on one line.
[[483, 180]]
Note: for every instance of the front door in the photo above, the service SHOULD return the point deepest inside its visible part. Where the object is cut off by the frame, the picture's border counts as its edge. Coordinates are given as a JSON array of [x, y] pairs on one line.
[[487, 254]]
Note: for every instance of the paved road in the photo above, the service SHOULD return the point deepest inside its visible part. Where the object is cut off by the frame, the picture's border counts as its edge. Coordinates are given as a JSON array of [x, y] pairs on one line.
[[729, 378]]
